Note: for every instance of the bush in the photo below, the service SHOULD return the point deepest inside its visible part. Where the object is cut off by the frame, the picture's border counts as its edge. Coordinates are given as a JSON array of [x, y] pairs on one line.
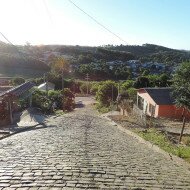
[[83, 88], [18, 81], [102, 109], [132, 92], [94, 88], [107, 92], [45, 101], [69, 100], [41, 100], [56, 96], [126, 85]]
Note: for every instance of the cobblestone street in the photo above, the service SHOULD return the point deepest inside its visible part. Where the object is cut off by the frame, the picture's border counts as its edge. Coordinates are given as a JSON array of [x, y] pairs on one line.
[[82, 150]]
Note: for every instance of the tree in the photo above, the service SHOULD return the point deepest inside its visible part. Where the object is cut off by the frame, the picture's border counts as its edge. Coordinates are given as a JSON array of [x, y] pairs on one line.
[[83, 88], [61, 65], [18, 81], [141, 82], [126, 85], [181, 90], [146, 72], [94, 88], [164, 80], [107, 93], [69, 98], [132, 92]]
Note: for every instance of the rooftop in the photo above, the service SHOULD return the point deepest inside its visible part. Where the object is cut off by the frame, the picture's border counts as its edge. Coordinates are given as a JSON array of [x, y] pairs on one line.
[[161, 96]]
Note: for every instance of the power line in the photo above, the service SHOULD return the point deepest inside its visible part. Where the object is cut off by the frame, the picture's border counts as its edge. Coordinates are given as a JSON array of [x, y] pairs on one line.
[[48, 11], [6, 39], [20, 52], [13, 45], [97, 22]]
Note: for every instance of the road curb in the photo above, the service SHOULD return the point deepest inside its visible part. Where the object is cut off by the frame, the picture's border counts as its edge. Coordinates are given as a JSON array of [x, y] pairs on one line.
[[150, 145]]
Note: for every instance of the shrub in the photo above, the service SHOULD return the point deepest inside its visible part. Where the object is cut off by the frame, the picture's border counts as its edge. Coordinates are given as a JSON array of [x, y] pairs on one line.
[[126, 85], [107, 92], [45, 101], [69, 102], [132, 92], [18, 81], [94, 88]]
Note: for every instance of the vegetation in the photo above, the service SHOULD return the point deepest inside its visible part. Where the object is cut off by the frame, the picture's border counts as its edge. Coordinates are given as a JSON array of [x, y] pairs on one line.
[[145, 53], [107, 93], [181, 86], [102, 70], [68, 102], [18, 81], [102, 109], [181, 90], [45, 101], [163, 142], [151, 52], [18, 61]]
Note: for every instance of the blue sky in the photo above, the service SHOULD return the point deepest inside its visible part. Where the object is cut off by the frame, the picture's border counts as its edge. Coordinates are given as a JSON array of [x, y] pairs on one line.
[[163, 22]]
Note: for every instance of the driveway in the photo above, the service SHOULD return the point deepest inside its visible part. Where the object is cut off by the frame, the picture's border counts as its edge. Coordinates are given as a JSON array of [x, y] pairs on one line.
[[82, 150]]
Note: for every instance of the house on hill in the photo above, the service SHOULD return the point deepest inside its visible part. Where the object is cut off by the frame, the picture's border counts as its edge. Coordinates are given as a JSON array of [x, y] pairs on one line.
[[158, 102]]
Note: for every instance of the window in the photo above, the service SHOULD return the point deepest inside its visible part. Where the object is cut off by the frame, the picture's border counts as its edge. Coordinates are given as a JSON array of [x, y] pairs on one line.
[[151, 109]]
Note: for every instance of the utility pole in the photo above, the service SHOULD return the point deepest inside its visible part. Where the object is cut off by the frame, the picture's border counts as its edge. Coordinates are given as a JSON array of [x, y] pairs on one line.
[[10, 110], [46, 82], [112, 97], [118, 88], [44, 77], [87, 79], [62, 86], [112, 93], [118, 93]]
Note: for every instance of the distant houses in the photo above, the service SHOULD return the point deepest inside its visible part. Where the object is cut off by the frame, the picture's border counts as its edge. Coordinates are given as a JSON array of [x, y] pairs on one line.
[[135, 65]]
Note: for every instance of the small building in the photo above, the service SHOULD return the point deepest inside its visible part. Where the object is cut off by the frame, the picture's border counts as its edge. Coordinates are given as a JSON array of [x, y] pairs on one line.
[[158, 102]]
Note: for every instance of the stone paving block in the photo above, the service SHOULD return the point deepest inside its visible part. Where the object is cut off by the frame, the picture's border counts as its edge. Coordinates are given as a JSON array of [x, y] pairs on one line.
[[84, 151]]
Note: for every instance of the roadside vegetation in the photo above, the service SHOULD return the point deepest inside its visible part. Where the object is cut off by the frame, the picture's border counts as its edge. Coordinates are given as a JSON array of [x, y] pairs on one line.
[[160, 139], [53, 100]]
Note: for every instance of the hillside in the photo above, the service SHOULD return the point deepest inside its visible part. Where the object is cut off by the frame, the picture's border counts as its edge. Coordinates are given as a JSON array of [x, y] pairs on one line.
[[37, 59], [145, 53], [151, 52], [15, 62]]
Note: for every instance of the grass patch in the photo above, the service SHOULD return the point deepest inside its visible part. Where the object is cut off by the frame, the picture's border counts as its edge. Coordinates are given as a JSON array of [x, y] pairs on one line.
[[59, 112], [164, 143], [102, 109]]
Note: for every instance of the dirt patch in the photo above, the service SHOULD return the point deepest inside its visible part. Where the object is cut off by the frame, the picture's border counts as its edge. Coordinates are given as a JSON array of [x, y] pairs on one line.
[[171, 129], [126, 122]]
